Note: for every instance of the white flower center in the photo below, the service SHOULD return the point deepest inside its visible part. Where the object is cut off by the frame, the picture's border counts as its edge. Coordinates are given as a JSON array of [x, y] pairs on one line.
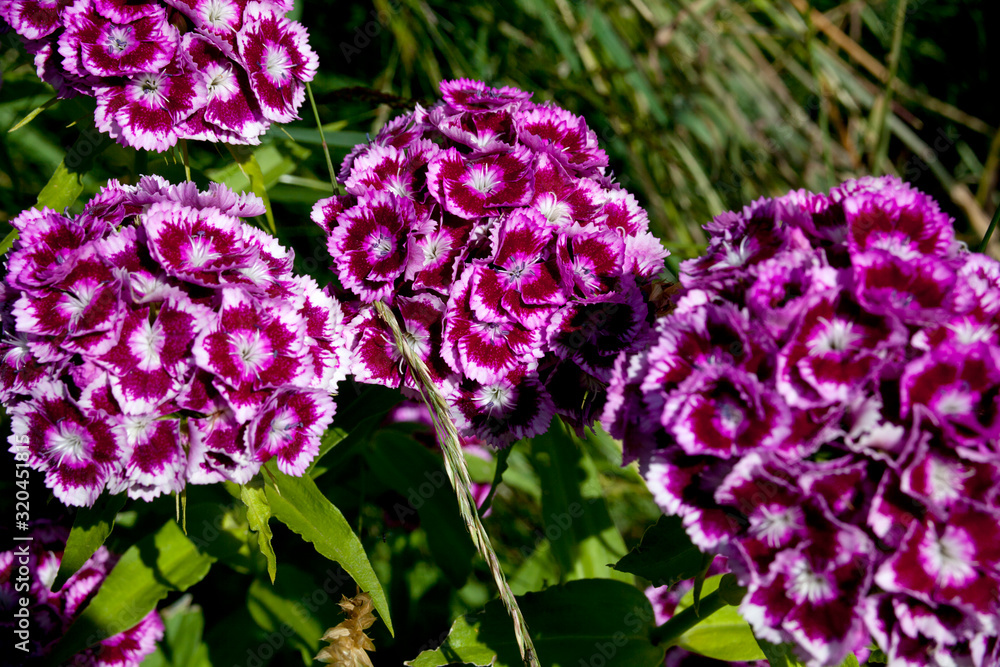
[[838, 336], [119, 39], [136, 428], [18, 354], [771, 526], [554, 210], [953, 401], [949, 557], [493, 397], [68, 441], [147, 343], [282, 427], [251, 349], [483, 179], [808, 585], [277, 63], [946, 481], [735, 257], [221, 83], [219, 14], [79, 300], [381, 245], [200, 252]]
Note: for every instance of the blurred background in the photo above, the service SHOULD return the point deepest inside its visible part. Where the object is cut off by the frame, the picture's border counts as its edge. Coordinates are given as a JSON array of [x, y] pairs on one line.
[[702, 106]]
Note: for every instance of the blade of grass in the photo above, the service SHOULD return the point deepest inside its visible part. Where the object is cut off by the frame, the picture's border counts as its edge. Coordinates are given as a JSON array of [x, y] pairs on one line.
[[458, 474]]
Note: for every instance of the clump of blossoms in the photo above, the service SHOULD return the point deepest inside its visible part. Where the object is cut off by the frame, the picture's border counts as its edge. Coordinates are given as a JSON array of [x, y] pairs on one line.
[[156, 340], [516, 267], [823, 407], [29, 571], [212, 70]]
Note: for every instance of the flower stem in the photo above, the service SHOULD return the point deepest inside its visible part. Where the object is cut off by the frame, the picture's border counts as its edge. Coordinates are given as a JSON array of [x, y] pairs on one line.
[[728, 593], [670, 632], [989, 231], [458, 474], [880, 126], [322, 138]]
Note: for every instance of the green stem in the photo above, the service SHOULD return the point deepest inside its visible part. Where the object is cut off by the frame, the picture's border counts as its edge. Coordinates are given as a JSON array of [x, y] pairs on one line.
[[671, 631], [497, 478], [880, 124], [322, 138], [989, 231]]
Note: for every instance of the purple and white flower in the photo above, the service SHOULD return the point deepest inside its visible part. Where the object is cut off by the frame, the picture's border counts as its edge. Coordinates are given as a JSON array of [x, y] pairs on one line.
[[517, 269], [157, 339], [167, 70], [821, 406]]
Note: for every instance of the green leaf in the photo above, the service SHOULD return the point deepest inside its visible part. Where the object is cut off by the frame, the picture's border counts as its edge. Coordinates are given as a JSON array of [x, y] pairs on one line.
[[581, 621], [665, 555], [299, 504], [577, 524], [278, 605], [66, 183], [90, 529], [251, 169], [31, 115], [723, 635], [258, 512], [7, 242], [182, 644], [153, 567], [417, 474]]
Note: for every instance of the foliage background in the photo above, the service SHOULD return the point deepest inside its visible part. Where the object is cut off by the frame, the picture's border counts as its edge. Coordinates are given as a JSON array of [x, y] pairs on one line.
[[702, 106]]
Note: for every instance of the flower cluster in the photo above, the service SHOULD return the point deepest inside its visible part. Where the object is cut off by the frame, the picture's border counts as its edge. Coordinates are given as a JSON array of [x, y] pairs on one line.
[[29, 571], [823, 407], [515, 266], [212, 70], [156, 339]]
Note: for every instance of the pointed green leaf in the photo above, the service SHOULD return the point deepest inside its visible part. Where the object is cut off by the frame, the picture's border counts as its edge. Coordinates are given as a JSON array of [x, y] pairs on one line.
[[577, 523], [90, 529], [156, 565], [31, 115], [299, 504], [258, 512], [723, 635], [66, 183], [570, 624], [665, 555]]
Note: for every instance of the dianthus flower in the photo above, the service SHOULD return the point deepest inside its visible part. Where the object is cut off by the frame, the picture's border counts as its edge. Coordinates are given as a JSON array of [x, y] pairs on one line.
[[163, 70], [156, 339], [822, 408], [517, 269], [29, 571]]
